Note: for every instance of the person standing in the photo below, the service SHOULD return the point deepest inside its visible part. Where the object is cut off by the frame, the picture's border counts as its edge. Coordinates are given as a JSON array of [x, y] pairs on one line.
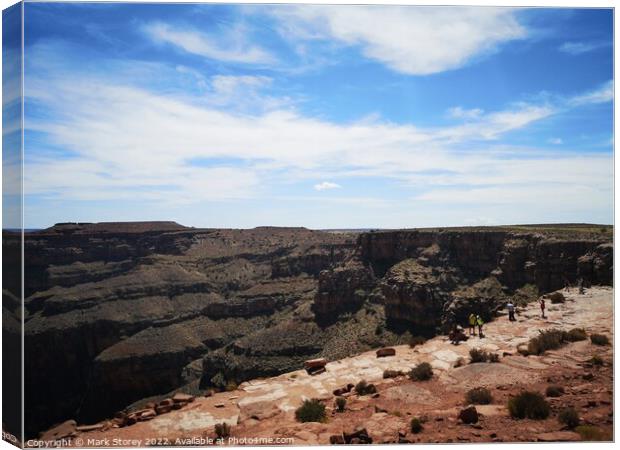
[[511, 311], [472, 324], [541, 300], [480, 323]]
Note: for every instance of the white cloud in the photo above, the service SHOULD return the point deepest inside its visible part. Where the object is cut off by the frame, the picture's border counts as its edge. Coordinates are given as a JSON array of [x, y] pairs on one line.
[[458, 112], [603, 94], [132, 143], [492, 125], [555, 141], [229, 45], [577, 48], [410, 40], [326, 185]]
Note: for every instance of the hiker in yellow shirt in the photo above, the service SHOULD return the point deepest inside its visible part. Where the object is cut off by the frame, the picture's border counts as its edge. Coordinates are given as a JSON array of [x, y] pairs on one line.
[[472, 324]]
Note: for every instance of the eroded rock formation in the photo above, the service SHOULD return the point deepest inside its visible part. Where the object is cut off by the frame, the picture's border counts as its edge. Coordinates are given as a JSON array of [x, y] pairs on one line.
[[116, 313]]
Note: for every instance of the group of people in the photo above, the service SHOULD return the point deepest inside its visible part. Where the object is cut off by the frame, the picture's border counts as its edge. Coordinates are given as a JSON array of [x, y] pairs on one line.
[[475, 321], [457, 335]]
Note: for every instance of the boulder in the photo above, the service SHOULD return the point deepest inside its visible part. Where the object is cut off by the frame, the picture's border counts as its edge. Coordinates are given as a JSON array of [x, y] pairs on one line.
[[343, 390], [315, 366], [336, 439], [359, 436], [180, 397], [387, 351], [166, 402], [163, 409], [558, 436], [312, 364], [469, 415], [147, 414]]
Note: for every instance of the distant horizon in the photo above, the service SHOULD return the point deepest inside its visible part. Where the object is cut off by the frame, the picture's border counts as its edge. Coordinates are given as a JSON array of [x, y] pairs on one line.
[[318, 229], [324, 116]]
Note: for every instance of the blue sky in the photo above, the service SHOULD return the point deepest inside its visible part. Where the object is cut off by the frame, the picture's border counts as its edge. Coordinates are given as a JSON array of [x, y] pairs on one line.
[[317, 116]]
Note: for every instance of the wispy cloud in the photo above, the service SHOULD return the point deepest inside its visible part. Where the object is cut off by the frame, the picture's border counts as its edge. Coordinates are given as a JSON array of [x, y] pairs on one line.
[[602, 94], [578, 48], [458, 112], [326, 185], [410, 40], [228, 45], [555, 141], [124, 138]]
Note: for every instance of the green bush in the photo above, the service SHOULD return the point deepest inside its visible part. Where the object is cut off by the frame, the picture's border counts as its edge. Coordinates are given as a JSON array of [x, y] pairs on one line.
[[596, 360], [416, 425], [421, 372], [416, 340], [529, 405], [590, 433], [310, 411], [477, 356], [576, 334], [222, 430], [341, 402], [546, 340], [478, 396], [599, 339], [363, 388], [569, 417], [554, 391]]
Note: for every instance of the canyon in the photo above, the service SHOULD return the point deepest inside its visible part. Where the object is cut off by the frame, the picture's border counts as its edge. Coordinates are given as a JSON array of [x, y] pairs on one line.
[[120, 314]]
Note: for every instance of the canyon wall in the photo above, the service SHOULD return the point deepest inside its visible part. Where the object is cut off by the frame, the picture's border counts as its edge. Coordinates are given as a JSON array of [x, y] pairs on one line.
[[430, 278], [120, 312]]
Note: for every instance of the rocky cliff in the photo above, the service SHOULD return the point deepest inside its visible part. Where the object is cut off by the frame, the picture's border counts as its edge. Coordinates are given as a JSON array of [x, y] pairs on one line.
[[429, 278], [119, 312]]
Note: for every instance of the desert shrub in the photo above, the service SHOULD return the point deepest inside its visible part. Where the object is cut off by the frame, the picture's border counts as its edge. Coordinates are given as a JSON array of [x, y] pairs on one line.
[[493, 357], [378, 330], [529, 405], [421, 372], [231, 386], [590, 433], [363, 388], [554, 391], [596, 360], [388, 373], [310, 411], [576, 334], [569, 417], [416, 340], [478, 396], [546, 340], [556, 297], [477, 356], [222, 430], [341, 402], [416, 425], [599, 339]]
